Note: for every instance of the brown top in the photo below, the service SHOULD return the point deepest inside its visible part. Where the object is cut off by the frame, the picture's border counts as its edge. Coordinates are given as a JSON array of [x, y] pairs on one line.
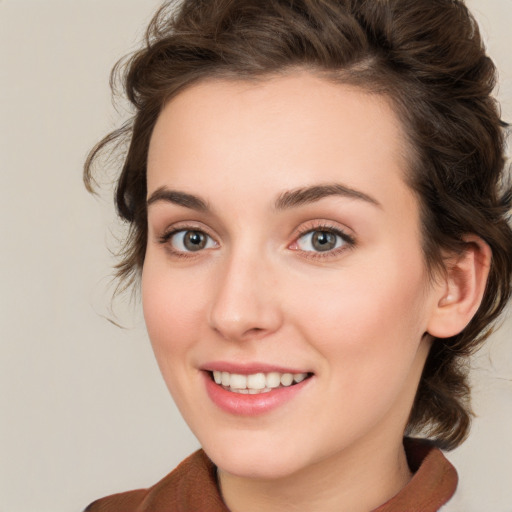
[[192, 487]]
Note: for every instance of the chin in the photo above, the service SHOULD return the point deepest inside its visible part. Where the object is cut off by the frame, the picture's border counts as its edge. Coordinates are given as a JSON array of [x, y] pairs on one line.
[[265, 459], [257, 467]]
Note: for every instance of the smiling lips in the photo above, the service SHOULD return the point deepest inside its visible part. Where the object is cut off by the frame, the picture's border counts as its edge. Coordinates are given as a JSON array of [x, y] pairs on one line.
[[255, 383], [242, 393]]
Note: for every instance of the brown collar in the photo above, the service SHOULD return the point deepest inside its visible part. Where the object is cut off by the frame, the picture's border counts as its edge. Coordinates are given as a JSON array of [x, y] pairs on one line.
[[432, 485], [192, 486]]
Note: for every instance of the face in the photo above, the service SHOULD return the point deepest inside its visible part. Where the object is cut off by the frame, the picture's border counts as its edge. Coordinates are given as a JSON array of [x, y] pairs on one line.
[[284, 261]]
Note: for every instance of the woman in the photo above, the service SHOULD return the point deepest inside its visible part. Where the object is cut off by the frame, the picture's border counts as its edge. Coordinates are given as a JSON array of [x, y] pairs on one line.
[[317, 214]]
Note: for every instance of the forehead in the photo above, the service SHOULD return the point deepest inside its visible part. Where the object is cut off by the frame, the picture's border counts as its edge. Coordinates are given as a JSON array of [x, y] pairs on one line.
[[284, 131]]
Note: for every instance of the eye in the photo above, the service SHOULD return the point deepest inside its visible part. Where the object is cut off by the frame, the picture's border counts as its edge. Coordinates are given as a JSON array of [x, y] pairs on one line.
[[321, 240], [189, 240]]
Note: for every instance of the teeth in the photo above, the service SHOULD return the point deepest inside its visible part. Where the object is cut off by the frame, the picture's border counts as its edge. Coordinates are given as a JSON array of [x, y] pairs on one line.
[[286, 379], [256, 382], [273, 380], [239, 381], [299, 377]]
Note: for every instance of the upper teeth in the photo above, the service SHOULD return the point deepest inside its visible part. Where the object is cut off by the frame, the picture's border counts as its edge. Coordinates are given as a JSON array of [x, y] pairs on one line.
[[256, 382]]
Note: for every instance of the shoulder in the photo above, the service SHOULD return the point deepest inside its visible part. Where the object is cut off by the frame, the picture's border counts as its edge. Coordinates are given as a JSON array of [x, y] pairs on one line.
[[191, 486], [127, 501]]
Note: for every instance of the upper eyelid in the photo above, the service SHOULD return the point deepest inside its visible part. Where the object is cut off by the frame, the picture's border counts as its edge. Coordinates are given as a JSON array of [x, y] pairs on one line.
[[176, 227], [323, 225], [333, 229]]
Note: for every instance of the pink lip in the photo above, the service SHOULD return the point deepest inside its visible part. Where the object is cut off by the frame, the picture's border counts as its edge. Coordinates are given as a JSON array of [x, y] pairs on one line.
[[248, 368], [250, 405]]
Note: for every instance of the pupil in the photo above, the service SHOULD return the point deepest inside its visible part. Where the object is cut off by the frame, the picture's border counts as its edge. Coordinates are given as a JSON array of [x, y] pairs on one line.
[[323, 241], [194, 240]]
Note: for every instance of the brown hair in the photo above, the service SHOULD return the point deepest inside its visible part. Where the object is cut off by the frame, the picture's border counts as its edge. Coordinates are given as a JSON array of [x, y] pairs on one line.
[[427, 57]]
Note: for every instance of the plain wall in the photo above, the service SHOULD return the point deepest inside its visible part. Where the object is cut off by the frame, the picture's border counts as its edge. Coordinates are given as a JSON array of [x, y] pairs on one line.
[[84, 411]]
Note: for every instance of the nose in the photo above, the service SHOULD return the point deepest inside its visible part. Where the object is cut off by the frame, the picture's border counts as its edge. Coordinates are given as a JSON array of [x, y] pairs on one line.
[[245, 304]]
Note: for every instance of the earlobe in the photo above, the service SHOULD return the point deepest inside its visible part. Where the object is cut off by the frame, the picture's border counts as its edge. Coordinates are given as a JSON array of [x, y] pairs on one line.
[[461, 289]]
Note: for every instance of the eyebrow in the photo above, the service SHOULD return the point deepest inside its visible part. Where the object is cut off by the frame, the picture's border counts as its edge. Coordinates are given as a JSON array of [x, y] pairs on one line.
[[287, 200], [179, 198], [307, 195]]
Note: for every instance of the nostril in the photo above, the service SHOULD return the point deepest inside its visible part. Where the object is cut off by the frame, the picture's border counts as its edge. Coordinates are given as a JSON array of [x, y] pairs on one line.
[[254, 330]]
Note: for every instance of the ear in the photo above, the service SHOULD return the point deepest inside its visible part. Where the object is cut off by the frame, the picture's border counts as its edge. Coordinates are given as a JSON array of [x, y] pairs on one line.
[[461, 289]]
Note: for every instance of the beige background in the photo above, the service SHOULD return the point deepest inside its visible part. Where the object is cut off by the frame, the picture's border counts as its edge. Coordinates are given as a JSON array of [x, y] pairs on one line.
[[84, 412]]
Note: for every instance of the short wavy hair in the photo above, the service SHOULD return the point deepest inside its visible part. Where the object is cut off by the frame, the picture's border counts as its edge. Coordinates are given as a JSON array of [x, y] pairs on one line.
[[427, 57]]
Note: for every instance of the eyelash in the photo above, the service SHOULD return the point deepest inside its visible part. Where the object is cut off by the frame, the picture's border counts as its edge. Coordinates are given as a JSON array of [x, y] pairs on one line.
[[349, 241], [166, 237]]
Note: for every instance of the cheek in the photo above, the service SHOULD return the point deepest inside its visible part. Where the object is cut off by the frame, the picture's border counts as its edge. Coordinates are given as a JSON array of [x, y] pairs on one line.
[[371, 313], [172, 304], [367, 329]]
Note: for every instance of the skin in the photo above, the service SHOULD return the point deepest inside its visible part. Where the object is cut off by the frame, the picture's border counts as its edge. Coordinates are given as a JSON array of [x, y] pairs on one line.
[[356, 316]]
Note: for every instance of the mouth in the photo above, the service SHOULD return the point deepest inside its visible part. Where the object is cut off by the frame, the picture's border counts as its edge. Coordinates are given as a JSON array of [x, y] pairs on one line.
[[251, 389], [256, 383]]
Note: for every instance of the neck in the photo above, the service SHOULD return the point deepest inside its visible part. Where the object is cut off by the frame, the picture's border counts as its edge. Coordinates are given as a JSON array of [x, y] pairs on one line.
[[357, 482]]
